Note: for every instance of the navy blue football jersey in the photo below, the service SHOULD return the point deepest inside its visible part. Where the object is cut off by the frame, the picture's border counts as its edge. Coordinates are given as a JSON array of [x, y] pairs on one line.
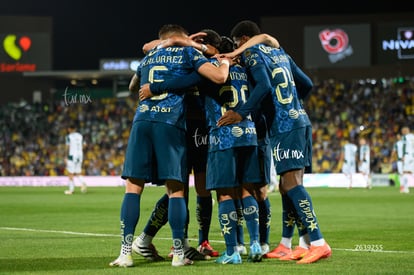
[[160, 65], [277, 66], [230, 96]]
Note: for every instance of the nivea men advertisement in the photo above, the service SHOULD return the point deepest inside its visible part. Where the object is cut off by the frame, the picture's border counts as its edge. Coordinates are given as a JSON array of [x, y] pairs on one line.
[[394, 43], [336, 46]]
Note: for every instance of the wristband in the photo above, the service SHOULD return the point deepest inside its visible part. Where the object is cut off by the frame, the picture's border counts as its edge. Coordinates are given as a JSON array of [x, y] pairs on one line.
[[204, 48], [225, 61]]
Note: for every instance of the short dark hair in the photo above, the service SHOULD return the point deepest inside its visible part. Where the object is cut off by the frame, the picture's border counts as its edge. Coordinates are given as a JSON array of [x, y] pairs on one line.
[[245, 27], [226, 45], [72, 125], [212, 38], [171, 29]]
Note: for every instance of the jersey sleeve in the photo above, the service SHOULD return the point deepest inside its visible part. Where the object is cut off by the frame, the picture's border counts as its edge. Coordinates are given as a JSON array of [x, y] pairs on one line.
[[263, 84], [303, 82], [176, 84]]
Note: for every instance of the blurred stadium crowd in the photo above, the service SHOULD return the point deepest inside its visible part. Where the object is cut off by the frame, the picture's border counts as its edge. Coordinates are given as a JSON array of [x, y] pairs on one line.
[[33, 135]]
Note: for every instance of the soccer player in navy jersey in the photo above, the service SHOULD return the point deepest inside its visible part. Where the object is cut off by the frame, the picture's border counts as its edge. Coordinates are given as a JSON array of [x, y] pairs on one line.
[[274, 72], [156, 118], [197, 142], [265, 159], [289, 218], [236, 149], [206, 41], [233, 163], [259, 190]]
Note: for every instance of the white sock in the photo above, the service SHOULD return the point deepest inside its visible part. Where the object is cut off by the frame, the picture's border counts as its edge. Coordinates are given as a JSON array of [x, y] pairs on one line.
[[406, 189], [186, 243], [304, 241], [81, 180], [144, 239], [286, 242], [71, 185], [126, 249], [319, 242]]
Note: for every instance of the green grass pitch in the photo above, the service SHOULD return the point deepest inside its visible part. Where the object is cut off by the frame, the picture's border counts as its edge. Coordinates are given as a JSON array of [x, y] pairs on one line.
[[43, 231]]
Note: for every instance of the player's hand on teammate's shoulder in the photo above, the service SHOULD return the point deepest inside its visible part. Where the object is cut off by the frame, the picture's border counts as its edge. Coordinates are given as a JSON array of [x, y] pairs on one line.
[[197, 36], [234, 59]]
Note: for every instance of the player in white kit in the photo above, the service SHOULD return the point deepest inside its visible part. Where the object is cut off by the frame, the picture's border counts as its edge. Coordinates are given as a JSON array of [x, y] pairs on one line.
[[397, 156], [74, 159], [408, 158], [349, 160], [364, 161]]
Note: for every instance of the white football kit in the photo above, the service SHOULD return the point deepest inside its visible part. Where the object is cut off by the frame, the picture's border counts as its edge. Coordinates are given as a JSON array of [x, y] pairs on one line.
[[75, 155], [349, 165]]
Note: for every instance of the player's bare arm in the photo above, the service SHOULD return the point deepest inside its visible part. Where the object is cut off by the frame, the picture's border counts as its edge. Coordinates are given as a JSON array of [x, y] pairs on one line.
[[150, 45], [194, 41], [134, 84], [257, 39], [216, 74]]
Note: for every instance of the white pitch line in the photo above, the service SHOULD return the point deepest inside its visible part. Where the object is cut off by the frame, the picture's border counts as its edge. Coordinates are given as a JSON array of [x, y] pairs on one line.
[[117, 235], [373, 251], [77, 233], [57, 231]]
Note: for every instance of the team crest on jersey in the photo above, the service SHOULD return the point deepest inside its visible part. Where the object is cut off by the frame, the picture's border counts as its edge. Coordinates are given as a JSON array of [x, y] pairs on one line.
[[247, 53]]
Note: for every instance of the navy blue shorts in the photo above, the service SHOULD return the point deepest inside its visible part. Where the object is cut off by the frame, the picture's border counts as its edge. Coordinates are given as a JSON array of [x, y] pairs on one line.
[[197, 145], [265, 155], [232, 167], [293, 150], [156, 151]]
